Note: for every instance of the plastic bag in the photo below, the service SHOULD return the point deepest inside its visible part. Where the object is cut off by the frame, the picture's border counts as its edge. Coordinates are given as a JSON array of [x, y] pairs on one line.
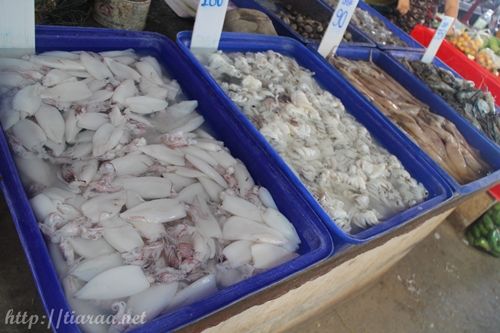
[[248, 20], [187, 8], [467, 43], [489, 60]]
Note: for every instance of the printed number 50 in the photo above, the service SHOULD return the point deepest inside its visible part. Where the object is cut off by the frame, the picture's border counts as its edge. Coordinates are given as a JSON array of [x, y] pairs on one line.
[[212, 3]]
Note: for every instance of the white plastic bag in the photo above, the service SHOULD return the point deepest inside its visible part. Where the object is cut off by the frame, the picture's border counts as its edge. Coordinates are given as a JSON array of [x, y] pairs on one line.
[[187, 8]]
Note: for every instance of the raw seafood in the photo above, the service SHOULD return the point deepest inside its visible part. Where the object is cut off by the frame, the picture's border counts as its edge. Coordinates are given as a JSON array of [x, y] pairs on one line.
[[434, 134], [306, 26], [355, 180], [373, 27], [475, 105], [309, 22], [143, 210], [421, 12]]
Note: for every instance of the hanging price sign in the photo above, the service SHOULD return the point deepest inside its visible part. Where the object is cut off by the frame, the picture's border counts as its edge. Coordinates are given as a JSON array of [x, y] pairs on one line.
[[17, 27], [436, 41], [208, 25], [337, 27]]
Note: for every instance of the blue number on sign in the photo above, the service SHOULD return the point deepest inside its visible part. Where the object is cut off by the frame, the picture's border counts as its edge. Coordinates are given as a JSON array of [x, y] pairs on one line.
[[347, 2], [341, 18], [212, 3]]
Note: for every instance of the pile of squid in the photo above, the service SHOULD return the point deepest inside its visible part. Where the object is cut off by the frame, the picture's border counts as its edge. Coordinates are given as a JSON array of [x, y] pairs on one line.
[[355, 180], [436, 135], [475, 105], [373, 27], [143, 210]]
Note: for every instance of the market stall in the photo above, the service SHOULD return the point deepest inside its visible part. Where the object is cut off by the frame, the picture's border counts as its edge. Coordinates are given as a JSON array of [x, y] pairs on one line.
[[207, 189]]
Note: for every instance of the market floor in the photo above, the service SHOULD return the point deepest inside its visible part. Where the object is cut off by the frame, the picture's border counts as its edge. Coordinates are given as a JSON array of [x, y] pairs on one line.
[[441, 285]]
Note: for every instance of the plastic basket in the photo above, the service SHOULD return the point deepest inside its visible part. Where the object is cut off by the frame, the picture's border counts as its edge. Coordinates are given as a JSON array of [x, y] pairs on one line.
[[316, 241], [363, 111]]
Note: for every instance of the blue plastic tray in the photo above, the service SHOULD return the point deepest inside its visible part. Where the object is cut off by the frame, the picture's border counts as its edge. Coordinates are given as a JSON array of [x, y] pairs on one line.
[[361, 109], [319, 8], [398, 32], [316, 241], [489, 151]]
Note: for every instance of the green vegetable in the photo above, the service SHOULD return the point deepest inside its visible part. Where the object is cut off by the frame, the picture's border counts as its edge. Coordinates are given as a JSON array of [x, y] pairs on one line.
[[496, 218], [483, 244], [482, 229], [488, 222], [476, 233], [485, 232], [493, 44], [494, 242]]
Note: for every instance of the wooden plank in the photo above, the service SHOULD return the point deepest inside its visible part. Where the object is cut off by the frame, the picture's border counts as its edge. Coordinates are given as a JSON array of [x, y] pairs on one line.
[[299, 298], [470, 210]]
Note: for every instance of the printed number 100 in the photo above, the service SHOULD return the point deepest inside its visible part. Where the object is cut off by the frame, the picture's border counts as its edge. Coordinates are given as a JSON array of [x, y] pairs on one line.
[[212, 3]]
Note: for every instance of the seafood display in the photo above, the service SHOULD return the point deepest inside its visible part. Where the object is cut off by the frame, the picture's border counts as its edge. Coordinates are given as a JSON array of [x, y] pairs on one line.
[[304, 25], [356, 181], [373, 27], [142, 209], [420, 12], [309, 26], [433, 133], [475, 105]]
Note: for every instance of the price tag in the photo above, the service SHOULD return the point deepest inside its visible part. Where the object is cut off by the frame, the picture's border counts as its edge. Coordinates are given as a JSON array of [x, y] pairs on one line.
[[337, 26], [208, 25], [436, 41], [17, 27]]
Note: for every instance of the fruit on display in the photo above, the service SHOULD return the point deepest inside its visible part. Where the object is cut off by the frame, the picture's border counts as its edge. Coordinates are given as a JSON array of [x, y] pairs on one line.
[[467, 44], [485, 58], [484, 49]]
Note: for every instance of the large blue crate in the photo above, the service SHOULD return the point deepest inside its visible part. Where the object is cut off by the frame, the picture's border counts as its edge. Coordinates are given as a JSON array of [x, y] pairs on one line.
[[360, 108], [316, 242]]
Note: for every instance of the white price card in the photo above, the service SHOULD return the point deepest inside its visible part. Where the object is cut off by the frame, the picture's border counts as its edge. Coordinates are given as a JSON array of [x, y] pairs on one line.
[[337, 27], [208, 25], [436, 41], [17, 27]]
